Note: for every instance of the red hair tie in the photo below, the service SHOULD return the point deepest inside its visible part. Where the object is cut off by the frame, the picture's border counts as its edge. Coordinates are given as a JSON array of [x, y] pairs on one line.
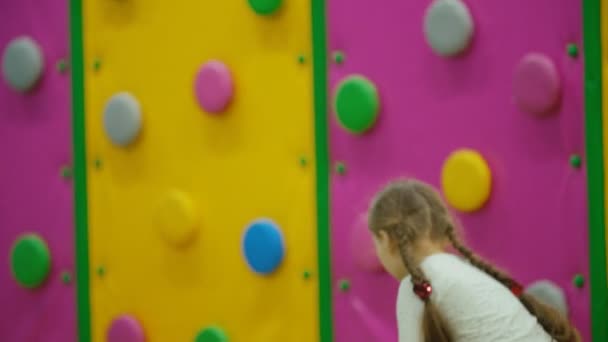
[[516, 288], [423, 290]]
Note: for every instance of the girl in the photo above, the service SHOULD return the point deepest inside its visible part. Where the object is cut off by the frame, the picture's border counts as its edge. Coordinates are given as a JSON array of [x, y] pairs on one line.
[[443, 297]]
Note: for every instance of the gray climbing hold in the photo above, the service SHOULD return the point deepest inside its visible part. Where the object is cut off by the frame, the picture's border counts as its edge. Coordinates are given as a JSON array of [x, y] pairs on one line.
[[550, 294], [122, 119], [22, 63], [448, 27]]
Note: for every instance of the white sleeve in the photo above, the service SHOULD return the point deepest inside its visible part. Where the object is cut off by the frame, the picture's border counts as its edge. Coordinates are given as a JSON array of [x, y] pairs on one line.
[[410, 310]]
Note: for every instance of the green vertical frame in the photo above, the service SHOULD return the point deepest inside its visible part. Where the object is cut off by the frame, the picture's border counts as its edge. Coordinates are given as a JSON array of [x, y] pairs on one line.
[[595, 168], [319, 38], [80, 172]]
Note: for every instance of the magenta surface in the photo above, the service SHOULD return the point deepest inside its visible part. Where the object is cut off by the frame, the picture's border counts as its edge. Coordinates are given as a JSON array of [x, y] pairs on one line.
[[214, 86], [34, 145], [535, 223], [125, 329], [536, 84]]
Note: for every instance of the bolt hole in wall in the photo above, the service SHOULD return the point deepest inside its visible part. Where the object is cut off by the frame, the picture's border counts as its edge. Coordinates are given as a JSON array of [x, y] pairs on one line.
[[195, 162]]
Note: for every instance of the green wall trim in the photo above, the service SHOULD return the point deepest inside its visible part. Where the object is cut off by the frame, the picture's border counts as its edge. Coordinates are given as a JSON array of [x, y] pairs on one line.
[[319, 38], [80, 172], [595, 168]]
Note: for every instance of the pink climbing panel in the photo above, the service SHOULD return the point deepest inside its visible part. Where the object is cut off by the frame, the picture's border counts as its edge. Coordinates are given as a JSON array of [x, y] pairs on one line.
[[535, 222], [34, 197]]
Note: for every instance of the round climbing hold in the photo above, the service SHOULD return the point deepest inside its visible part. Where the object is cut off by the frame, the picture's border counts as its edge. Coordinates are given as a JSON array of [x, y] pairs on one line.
[[362, 247], [212, 334], [22, 63], [448, 27], [30, 261], [125, 328], [576, 161], [572, 50], [263, 246], [466, 180], [550, 294], [265, 7], [214, 86], [122, 119], [536, 85], [177, 218], [579, 281], [356, 104]]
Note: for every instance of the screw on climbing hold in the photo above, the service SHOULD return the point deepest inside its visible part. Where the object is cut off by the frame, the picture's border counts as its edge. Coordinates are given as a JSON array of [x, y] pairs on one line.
[[62, 66], [66, 277], [575, 161], [101, 271], [344, 285], [66, 172], [572, 50], [340, 168], [338, 57], [579, 281], [301, 59], [96, 64]]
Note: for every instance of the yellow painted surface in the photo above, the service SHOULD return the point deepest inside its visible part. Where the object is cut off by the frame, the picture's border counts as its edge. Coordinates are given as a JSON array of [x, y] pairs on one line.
[[466, 180], [232, 168], [604, 24]]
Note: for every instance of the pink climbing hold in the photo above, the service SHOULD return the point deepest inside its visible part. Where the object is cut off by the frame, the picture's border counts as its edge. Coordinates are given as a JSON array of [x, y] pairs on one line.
[[536, 86], [125, 328], [362, 246], [214, 87]]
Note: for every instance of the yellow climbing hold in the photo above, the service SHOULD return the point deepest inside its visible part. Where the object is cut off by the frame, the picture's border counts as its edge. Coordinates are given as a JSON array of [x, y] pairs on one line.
[[177, 219], [466, 180]]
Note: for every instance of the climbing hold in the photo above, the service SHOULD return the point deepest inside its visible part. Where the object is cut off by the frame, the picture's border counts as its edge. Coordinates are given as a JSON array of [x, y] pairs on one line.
[[536, 85], [22, 63], [448, 27], [340, 168], [212, 334], [30, 261], [572, 50], [265, 7], [177, 218], [66, 277], [125, 328], [466, 180], [362, 247], [344, 285], [356, 104], [579, 281], [122, 119], [575, 161], [338, 57], [263, 246], [66, 172], [550, 294], [214, 87]]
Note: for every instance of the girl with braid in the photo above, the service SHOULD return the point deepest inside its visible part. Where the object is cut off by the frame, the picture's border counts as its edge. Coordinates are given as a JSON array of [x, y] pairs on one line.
[[445, 298]]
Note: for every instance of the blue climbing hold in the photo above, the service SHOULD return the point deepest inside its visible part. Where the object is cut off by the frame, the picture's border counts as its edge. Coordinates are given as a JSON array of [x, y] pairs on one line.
[[263, 246]]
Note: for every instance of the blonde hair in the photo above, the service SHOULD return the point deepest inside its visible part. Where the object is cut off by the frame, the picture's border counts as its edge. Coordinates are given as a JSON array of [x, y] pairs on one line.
[[408, 210]]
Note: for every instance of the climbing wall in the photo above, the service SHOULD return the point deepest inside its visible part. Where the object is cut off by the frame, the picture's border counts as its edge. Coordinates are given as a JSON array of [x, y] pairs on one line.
[[36, 239], [200, 169], [483, 100]]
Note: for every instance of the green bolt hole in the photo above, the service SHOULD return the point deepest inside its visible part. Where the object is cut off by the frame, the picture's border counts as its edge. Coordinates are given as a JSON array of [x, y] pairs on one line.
[[572, 50], [344, 285], [340, 168], [338, 57], [66, 277], [575, 161], [579, 281]]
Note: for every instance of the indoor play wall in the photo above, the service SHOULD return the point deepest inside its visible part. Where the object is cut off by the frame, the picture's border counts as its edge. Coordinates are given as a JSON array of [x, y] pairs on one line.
[[36, 229], [483, 99], [200, 171]]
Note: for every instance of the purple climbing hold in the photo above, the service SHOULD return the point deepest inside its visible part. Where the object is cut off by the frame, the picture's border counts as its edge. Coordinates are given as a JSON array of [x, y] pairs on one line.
[[214, 87], [536, 85], [125, 328]]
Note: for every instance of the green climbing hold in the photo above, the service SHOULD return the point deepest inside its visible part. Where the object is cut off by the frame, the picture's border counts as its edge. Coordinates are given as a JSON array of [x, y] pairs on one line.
[[338, 57], [579, 281], [265, 7], [356, 104], [344, 285], [66, 277], [575, 161], [212, 334], [340, 168], [572, 50], [30, 261]]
